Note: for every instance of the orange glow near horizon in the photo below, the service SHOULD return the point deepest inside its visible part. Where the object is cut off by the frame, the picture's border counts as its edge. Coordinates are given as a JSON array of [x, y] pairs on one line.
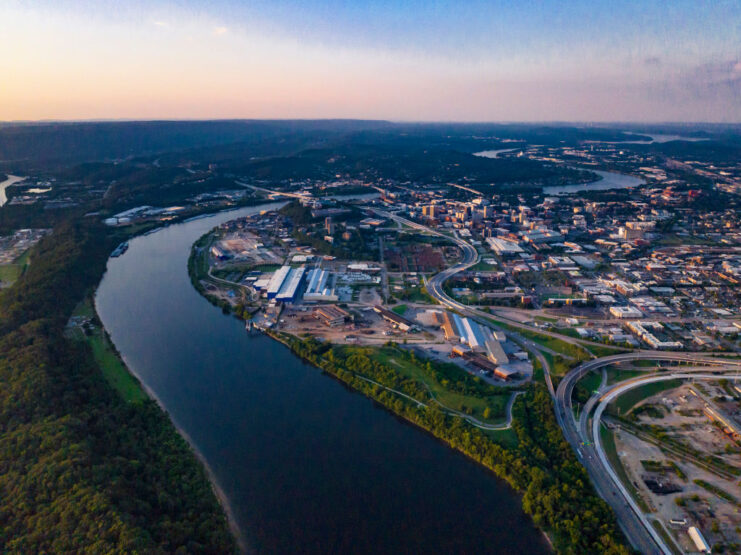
[[73, 67]]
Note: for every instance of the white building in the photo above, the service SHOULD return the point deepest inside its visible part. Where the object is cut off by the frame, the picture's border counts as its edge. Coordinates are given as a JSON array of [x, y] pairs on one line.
[[625, 312]]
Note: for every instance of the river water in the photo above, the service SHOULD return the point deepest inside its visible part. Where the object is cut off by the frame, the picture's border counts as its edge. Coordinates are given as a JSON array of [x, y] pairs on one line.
[[306, 465], [11, 180], [610, 180], [494, 153]]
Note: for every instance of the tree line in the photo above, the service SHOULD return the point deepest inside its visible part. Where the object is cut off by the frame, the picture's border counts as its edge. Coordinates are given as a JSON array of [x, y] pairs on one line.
[[556, 489], [82, 470]]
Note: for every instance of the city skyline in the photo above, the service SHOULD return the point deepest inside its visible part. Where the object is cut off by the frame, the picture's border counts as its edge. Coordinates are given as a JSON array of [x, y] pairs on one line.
[[486, 61]]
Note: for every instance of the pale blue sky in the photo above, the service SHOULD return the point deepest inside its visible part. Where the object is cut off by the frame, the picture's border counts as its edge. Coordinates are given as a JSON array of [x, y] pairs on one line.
[[414, 60]]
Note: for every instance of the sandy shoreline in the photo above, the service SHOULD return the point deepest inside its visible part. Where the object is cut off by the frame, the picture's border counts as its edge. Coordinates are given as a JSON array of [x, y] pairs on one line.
[[215, 486]]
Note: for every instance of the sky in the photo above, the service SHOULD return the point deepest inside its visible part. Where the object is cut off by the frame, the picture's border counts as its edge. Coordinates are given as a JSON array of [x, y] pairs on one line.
[[412, 60]]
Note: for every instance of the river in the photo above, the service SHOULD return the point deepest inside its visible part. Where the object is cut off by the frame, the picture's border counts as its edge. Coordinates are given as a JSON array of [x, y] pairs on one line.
[[306, 465], [610, 180], [11, 180], [494, 153]]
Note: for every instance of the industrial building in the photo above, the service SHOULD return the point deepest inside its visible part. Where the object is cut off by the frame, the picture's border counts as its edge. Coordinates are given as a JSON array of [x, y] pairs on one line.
[[276, 282], [477, 337], [625, 312], [495, 351], [288, 292], [503, 247], [331, 316], [484, 363], [394, 319], [647, 330], [319, 286], [699, 540]]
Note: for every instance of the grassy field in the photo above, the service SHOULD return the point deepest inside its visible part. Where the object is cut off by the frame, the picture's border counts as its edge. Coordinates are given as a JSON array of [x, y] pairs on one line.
[[241, 269], [630, 398], [607, 350], [546, 341], [496, 403], [400, 309], [585, 388], [608, 442], [546, 319], [482, 266], [506, 438], [111, 365], [415, 295], [559, 366], [670, 542], [672, 240], [615, 375], [591, 381], [9, 273]]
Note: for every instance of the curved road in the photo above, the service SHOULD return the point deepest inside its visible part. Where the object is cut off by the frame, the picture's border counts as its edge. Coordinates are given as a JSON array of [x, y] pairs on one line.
[[638, 530], [635, 525], [470, 258]]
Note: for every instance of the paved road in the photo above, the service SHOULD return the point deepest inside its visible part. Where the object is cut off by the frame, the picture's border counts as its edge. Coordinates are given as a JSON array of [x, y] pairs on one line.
[[639, 532], [636, 527], [470, 258], [474, 421], [604, 400]]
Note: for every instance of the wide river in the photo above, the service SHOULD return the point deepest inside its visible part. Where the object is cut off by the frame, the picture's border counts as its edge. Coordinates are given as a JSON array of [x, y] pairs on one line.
[[610, 180], [306, 465]]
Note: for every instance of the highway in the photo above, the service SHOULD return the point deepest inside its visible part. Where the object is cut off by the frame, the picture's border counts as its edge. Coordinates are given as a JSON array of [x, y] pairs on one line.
[[636, 526], [639, 531], [604, 400], [470, 258]]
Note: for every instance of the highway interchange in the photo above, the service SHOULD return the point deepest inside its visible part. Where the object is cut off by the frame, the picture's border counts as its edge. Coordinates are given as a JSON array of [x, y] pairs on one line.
[[584, 440]]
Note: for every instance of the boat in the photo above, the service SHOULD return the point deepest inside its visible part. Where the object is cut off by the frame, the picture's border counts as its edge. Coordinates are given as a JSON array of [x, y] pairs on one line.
[[119, 250]]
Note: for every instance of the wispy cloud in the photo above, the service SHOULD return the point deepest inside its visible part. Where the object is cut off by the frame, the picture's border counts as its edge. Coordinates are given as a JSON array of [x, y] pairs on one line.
[[220, 30], [716, 76], [652, 61], [161, 23]]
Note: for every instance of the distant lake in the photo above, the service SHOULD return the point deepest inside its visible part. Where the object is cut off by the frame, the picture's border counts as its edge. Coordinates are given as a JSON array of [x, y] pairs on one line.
[[307, 465], [610, 180]]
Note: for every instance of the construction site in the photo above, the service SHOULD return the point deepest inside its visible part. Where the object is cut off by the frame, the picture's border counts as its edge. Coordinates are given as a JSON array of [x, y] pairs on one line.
[[679, 450]]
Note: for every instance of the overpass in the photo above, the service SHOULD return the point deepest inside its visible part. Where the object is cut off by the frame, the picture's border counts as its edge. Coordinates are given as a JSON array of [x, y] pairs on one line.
[[634, 523]]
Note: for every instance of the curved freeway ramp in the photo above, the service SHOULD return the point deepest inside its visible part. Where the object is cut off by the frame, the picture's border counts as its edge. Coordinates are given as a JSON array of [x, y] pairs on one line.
[[634, 523]]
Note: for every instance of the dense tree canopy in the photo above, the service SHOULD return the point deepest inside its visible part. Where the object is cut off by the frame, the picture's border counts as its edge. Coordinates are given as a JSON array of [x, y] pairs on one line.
[[81, 470]]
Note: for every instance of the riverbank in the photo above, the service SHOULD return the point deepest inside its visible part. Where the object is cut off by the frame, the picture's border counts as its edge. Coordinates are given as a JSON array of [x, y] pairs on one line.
[[306, 466], [516, 462], [5, 182], [68, 428], [519, 467], [86, 326]]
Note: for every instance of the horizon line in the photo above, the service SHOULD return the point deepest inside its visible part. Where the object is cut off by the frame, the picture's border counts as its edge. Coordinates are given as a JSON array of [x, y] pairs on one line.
[[371, 120]]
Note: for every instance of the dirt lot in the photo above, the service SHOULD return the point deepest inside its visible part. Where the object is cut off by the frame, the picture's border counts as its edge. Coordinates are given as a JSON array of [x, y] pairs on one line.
[[370, 296], [678, 413], [415, 258]]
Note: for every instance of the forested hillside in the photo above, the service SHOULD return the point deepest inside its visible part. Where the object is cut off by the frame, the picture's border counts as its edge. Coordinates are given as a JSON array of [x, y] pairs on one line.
[[82, 470]]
